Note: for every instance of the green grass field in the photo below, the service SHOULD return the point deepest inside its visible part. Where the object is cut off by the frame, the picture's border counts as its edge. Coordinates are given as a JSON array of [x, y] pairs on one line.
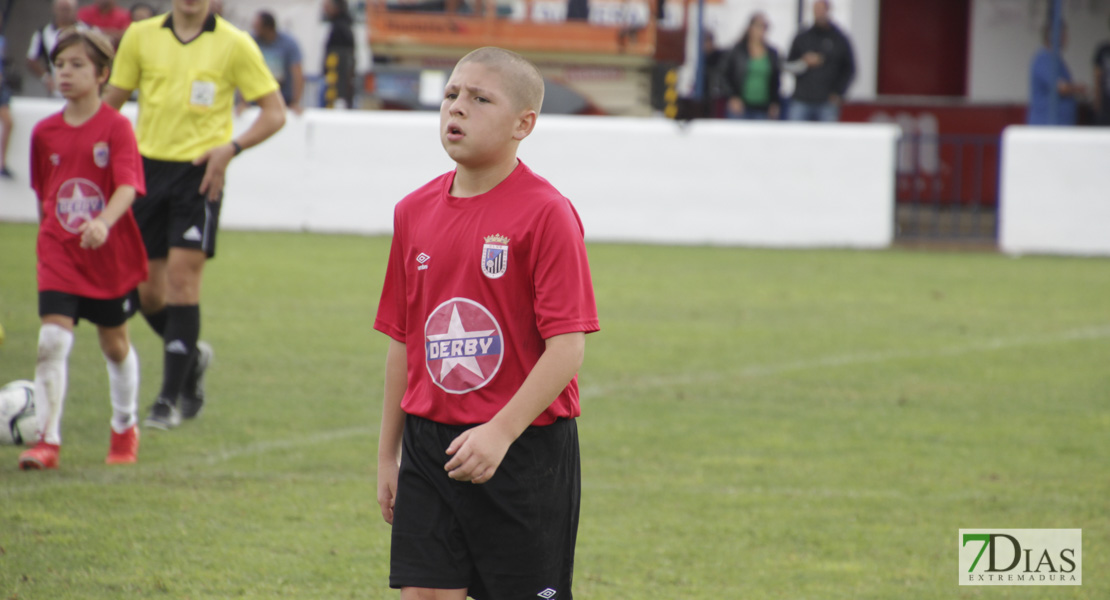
[[757, 424]]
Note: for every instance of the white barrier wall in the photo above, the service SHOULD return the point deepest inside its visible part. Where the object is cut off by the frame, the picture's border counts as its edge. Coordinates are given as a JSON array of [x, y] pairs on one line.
[[767, 184], [1055, 192]]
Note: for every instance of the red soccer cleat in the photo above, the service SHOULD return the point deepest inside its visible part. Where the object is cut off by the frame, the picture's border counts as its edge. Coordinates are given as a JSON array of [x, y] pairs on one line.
[[125, 447], [42, 456]]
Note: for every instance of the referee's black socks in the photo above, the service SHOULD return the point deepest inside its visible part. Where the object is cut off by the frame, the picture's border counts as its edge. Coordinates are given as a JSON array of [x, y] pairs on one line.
[[182, 330], [157, 321]]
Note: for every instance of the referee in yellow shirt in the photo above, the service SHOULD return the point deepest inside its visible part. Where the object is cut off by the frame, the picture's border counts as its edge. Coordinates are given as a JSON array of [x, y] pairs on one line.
[[186, 66]]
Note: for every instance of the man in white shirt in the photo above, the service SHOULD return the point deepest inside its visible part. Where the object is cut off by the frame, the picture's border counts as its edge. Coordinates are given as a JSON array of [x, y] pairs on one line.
[[43, 41]]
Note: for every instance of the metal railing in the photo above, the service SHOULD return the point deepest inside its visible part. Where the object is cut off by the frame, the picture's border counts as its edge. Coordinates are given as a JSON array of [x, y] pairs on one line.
[[947, 188]]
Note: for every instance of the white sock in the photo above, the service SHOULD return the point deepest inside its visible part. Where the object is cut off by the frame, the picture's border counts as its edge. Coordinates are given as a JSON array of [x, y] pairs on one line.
[[55, 343], [123, 383]]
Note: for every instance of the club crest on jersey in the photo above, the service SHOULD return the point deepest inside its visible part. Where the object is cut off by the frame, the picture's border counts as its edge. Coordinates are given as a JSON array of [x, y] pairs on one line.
[[79, 201], [495, 256], [100, 154], [462, 346]]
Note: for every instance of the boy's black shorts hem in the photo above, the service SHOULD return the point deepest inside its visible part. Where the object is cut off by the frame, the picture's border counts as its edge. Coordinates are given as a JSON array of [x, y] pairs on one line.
[[173, 213], [511, 537], [104, 313]]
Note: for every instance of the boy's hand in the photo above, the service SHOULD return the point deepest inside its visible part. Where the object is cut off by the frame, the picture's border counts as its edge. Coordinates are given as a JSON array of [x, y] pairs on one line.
[[93, 233], [387, 487], [477, 453]]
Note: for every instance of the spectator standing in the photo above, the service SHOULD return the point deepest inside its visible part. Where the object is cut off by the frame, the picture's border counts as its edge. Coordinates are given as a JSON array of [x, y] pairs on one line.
[[704, 101], [829, 67], [5, 100], [140, 11], [1102, 84], [339, 56], [1049, 71], [283, 55], [44, 40], [106, 16], [750, 75]]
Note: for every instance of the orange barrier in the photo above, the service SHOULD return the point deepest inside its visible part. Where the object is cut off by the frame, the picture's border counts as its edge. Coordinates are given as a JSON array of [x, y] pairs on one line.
[[401, 31]]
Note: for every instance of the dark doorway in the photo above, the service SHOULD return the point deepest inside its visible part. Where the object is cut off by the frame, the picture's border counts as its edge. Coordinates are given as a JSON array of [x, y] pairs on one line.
[[923, 47]]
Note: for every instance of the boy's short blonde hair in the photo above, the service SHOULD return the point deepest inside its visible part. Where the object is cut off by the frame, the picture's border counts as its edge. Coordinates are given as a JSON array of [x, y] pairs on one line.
[[522, 80]]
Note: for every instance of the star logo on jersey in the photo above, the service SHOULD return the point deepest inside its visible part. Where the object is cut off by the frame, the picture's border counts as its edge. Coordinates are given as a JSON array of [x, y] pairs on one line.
[[463, 346], [79, 201], [495, 256], [100, 154]]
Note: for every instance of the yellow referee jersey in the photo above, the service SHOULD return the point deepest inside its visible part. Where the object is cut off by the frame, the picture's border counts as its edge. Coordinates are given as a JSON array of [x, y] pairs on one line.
[[187, 90]]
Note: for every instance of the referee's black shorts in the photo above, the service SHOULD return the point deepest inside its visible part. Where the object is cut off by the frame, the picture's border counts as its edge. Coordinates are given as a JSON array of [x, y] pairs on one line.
[[173, 213], [507, 539]]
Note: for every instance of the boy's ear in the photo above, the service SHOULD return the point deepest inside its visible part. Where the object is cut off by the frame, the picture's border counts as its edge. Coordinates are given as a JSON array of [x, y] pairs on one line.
[[525, 123]]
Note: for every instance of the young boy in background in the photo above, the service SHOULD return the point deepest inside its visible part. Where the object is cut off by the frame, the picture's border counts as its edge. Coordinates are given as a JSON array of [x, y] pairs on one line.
[[86, 173]]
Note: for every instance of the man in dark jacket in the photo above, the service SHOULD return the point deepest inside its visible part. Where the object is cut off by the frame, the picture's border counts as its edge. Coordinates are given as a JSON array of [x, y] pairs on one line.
[[822, 59]]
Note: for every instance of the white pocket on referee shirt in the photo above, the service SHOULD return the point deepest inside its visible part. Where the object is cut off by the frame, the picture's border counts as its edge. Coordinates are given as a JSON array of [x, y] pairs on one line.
[[203, 86]]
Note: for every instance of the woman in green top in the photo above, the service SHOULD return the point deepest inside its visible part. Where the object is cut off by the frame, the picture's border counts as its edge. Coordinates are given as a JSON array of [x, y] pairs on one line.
[[751, 74]]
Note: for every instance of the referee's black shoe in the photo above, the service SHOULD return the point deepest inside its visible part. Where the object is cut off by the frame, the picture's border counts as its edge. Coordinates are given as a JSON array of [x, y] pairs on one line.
[[163, 415], [191, 400]]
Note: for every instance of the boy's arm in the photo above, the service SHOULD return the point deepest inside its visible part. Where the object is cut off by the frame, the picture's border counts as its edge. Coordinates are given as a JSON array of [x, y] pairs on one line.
[[393, 425], [95, 232], [476, 454]]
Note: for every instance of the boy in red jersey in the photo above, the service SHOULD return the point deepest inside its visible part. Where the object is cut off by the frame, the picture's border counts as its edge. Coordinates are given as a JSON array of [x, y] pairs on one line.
[[487, 300], [86, 172]]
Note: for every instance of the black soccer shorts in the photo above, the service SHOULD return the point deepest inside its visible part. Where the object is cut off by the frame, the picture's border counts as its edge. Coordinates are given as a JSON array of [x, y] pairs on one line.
[[173, 213], [507, 539], [105, 313]]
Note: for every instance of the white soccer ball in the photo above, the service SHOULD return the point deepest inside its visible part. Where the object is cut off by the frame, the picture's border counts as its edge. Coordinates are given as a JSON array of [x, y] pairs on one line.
[[18, 424]]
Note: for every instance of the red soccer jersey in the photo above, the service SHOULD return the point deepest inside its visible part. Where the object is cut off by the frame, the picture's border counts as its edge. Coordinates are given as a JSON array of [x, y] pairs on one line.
[[473, 288], [117, 18], [74, 172]]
